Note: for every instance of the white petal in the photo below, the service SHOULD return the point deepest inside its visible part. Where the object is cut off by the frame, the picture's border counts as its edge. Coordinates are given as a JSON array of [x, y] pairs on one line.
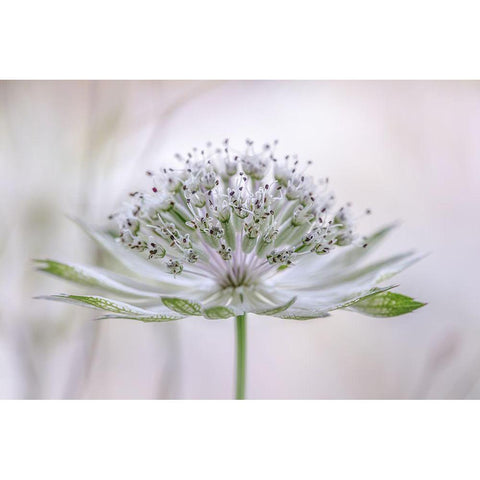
[[137, 265]]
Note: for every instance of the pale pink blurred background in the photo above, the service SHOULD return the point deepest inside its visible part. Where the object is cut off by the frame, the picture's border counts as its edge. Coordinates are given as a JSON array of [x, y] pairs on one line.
[[408, 150]]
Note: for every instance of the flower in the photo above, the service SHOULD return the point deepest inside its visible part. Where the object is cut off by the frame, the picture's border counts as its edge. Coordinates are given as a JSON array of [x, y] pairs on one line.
[[228, 233]]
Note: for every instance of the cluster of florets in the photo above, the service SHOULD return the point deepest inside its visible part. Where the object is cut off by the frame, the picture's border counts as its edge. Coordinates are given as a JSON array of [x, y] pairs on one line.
[[234, 216]]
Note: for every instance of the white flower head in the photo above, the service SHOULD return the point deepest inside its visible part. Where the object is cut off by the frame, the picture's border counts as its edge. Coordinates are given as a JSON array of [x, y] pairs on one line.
[[229, 232]]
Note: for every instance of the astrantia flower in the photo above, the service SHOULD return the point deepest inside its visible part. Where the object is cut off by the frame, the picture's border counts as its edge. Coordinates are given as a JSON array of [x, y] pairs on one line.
[[229, 233]]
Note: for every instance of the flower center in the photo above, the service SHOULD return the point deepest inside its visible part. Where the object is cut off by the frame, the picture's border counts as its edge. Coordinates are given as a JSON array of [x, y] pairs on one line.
[[235, 219]]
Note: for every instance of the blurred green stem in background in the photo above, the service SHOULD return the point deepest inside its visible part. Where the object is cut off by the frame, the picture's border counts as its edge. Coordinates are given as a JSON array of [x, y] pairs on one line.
[[241, 334]]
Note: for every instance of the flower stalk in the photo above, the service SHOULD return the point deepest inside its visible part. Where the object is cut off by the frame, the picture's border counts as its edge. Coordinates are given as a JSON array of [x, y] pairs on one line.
[[241, 338]]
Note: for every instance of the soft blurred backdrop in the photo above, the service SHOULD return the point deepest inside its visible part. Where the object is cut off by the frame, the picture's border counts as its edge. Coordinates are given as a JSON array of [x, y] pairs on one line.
[[410, 151]]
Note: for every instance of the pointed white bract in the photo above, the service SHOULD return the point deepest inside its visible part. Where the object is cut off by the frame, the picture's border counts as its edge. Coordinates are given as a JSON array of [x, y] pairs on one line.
[[236, 232]]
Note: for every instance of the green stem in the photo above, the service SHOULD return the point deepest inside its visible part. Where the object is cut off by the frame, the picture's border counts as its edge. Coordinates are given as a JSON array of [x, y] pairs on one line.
[[241, 333]]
